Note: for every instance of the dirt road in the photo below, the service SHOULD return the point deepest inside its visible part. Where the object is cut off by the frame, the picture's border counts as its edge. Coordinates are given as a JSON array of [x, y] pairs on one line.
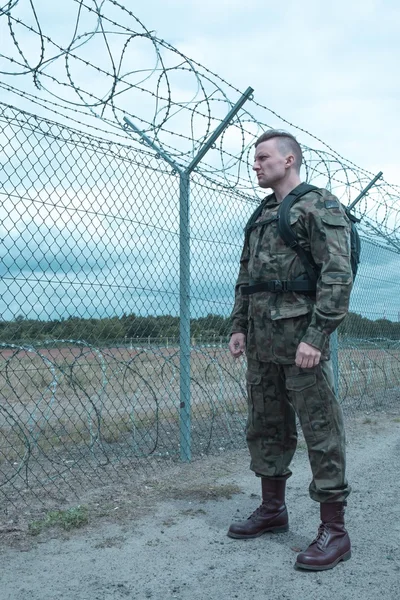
[[170, 540]]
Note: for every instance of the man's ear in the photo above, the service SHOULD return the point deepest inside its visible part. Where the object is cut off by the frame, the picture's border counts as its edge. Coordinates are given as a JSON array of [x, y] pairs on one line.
[[289, 161]]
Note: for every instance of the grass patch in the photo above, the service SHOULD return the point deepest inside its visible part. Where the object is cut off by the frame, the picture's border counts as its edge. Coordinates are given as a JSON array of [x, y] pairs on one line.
[[368, 421], [72, 518], [396, 420]]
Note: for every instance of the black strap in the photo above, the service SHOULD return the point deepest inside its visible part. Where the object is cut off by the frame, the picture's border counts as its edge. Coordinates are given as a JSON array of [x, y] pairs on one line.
[[278, 286], [286, 232], [290, 238], [256, 214]]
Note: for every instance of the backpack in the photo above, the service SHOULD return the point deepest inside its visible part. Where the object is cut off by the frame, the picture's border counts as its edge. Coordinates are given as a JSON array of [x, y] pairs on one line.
[[289, 237]]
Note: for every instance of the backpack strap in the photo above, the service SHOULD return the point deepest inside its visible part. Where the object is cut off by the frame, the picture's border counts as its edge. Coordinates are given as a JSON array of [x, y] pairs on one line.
[[286, 232], [251, 223]]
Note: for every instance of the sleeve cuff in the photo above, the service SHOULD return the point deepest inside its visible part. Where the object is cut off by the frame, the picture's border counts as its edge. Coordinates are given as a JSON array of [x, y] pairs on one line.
[[238, 330], [315, 338]]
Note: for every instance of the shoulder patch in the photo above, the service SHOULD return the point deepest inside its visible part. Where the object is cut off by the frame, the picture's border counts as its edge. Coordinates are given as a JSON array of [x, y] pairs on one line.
[[331, 203]]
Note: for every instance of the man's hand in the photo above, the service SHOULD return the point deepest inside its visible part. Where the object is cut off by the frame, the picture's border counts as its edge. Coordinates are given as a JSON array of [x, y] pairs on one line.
[[237, 344], [307, 356]]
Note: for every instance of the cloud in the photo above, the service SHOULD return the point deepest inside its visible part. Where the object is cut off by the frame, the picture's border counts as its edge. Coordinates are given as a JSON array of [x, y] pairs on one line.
[[87, 232], [93, 232], [328, 68]]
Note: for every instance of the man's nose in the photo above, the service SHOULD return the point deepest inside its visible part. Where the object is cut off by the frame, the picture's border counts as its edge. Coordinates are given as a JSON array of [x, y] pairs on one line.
[[255, 166]]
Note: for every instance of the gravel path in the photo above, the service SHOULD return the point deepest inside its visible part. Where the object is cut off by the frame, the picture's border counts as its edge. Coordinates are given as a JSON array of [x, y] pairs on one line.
[[176, 546]]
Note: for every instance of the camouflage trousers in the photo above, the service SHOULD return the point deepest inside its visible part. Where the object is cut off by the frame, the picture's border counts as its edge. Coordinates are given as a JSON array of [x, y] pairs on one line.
[[276, 394]]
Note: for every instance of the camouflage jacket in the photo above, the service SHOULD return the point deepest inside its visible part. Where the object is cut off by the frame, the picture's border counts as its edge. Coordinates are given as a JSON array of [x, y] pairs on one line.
[[275, 323]]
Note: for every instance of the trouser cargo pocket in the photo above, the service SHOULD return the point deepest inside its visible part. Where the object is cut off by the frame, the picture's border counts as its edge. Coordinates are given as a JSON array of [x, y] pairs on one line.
[[310, 403], [255, 397]]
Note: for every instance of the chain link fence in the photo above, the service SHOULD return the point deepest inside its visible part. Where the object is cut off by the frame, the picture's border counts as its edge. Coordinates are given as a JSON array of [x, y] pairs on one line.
[[89, 307]]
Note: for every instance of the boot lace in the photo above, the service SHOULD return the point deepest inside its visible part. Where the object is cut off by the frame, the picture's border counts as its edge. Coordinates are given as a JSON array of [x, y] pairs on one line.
[[321, 535], [261, 511]]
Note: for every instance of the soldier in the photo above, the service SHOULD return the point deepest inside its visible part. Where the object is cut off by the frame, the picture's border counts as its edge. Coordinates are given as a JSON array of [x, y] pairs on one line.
[[285, 335]]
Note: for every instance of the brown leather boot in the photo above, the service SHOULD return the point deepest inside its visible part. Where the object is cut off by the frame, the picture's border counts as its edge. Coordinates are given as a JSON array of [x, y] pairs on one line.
[[270, 516], [332, 543]]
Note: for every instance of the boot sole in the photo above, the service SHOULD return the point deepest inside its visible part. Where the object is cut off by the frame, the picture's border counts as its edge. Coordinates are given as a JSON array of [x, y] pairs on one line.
[[240, 536], [346, 556]]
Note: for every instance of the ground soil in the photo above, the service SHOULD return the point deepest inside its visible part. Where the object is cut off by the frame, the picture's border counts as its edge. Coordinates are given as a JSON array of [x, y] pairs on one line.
[[167, 538]]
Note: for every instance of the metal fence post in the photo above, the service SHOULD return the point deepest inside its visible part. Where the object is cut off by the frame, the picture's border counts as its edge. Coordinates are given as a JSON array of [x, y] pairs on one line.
[[184, 303], [184, 273], [365, 191]]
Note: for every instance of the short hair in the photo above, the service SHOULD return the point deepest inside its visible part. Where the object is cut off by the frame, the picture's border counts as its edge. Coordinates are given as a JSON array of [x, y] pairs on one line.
[[286, 143]]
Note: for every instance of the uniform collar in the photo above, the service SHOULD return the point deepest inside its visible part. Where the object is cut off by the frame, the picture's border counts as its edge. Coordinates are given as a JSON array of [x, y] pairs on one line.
[[270, 200]]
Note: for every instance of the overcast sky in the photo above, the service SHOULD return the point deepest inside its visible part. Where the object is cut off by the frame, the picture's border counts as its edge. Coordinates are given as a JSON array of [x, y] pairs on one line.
[[329, 68]]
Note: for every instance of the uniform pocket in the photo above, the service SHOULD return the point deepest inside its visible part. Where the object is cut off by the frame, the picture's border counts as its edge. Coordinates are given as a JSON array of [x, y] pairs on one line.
[[332, 290], [301, 382], [310, 405], [255, 399], [289, 324], [337, 239], [255, 391], [334, 220]]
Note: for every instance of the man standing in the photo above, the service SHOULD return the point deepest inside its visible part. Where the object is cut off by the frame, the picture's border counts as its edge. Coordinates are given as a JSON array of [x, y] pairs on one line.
[[285, 333]]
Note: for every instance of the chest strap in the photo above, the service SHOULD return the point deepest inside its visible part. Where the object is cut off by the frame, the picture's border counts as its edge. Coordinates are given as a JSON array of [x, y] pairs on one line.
[[277, 286]]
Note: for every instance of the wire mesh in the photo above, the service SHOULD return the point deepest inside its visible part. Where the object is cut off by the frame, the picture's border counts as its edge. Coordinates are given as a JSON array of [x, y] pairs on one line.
[[89, 334], [89, 228]]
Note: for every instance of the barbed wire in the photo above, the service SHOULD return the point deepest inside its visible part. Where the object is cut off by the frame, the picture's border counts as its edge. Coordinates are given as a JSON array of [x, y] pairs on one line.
[[111, 61], [47, 384], [384, 232], [69, 405]]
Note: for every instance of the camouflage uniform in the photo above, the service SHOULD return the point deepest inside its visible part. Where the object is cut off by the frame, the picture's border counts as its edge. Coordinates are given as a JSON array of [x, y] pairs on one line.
[[275, 324]]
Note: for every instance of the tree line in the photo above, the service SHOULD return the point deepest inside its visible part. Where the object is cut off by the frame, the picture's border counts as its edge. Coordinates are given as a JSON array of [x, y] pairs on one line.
[[131, 328], [124, 329]]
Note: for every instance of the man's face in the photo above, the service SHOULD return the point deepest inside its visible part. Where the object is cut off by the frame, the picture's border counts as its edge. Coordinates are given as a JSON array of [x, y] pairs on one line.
[[269, 164]]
